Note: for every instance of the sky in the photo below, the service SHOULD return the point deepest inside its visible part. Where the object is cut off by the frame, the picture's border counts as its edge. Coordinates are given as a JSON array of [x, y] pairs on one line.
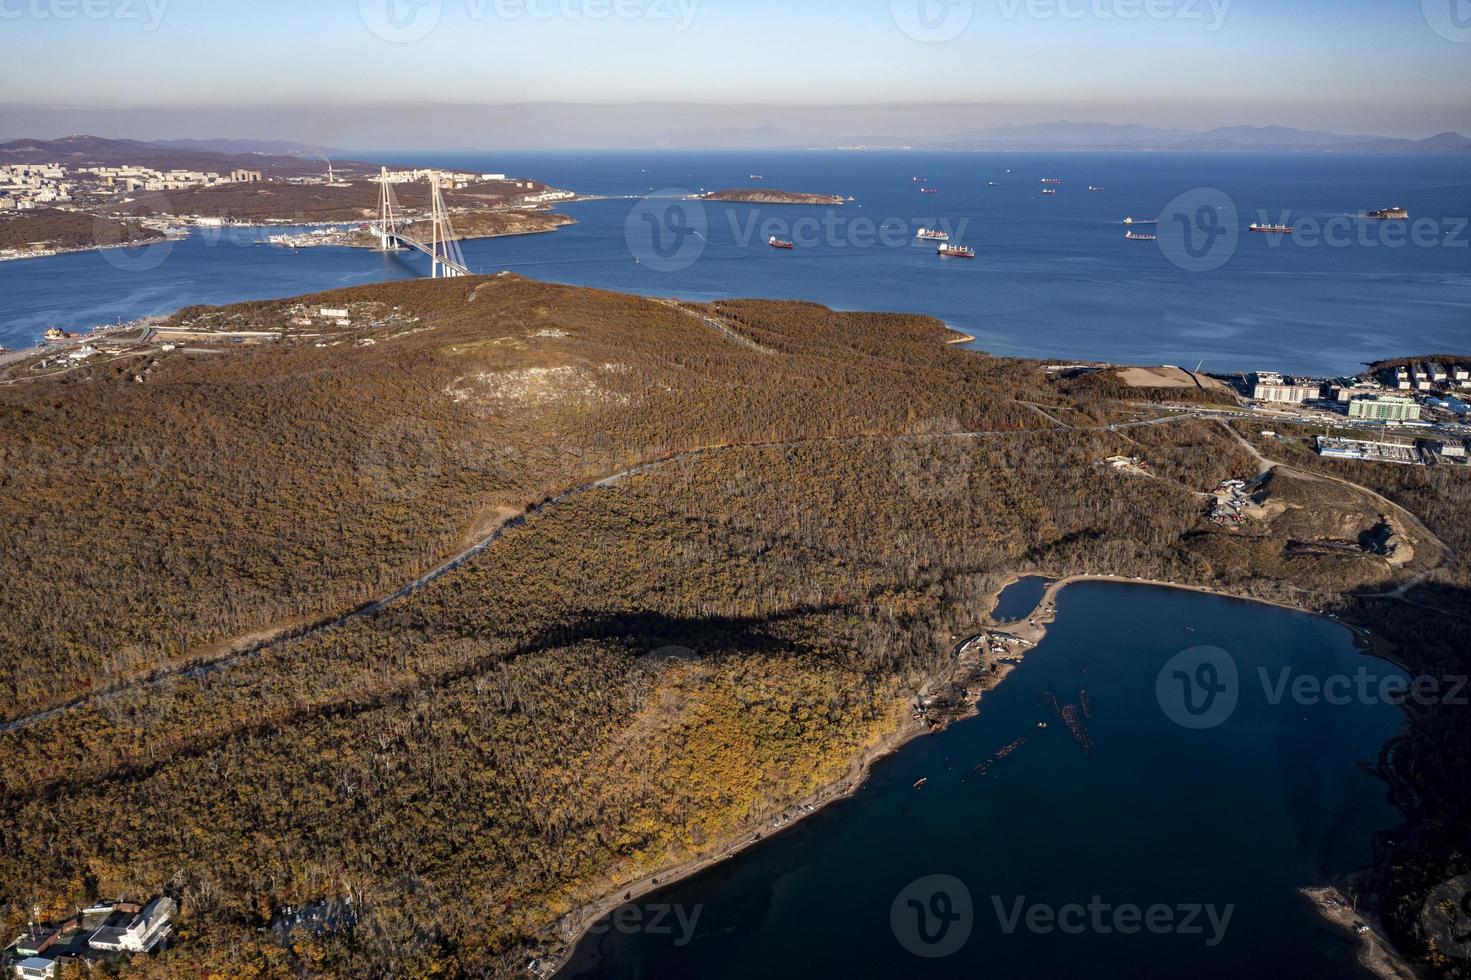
[[373, 72]]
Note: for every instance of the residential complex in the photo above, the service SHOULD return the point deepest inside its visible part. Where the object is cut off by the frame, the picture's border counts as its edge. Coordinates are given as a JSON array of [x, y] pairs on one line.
[[1384, 408], [26, 186]]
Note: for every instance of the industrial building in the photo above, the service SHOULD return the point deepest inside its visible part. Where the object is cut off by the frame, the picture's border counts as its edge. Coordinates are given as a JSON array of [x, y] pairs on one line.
[[1369, 450]]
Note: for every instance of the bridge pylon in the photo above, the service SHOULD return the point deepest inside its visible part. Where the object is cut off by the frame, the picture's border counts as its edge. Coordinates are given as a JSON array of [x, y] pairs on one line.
[[444, 246], [387, 214]]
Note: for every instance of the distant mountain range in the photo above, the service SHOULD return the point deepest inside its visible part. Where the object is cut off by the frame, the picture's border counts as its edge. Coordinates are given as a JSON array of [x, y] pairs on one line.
[[809, 128], [229, 147], [1077, 136], [1100, 136], [276, 158]]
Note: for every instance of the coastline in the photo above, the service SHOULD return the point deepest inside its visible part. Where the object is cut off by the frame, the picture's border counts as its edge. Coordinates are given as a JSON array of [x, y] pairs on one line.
[[1377, 955], [52, 253], [1031, 629]]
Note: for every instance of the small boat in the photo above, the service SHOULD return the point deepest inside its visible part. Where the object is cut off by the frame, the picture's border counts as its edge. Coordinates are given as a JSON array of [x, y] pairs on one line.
[[775, 242], [1041, 724], [1272, 229], [757, 177], [921, 782], [1135, 236], [921, 180], [933, 235], [958, 251], [992, 183]]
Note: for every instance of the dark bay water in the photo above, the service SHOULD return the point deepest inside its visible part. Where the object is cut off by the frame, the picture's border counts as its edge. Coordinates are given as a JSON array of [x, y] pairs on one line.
[[1019, 598], [1237, 816], [1053, 276]]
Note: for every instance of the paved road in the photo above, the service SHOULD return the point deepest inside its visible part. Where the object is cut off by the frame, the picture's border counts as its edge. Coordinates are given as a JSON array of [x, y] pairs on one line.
[[235, 655]]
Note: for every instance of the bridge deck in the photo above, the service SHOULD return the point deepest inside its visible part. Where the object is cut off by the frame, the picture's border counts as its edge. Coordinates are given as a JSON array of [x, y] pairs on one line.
[[414, 243]]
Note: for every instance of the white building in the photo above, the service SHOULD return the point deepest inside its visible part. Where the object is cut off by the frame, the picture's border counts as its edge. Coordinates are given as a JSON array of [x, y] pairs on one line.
[[1288, 394], [35, 968], [148, 928]]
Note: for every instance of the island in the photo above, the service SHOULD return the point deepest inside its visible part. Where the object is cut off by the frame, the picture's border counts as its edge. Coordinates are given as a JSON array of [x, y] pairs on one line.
[[758, 195], [553, 594]]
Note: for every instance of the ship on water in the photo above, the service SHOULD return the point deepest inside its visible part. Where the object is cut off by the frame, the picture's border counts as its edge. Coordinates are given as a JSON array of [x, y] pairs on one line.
[[1141, 221], [933, 235], [1390, 214], [928, 190], [1051, 191], [1139, 236], [1051, 180], [1272, 229], [775, 242], [1094, 190], [957, 251]]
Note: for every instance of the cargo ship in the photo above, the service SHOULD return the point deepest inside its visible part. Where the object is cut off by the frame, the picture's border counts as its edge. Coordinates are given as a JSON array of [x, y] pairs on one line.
[[1050, 191], [928, 190], [1139, 236], [958, 251], [1390, 214], [933, 235], [1051, 180], [992, 183], [1094, 190], [1145, 221], [775, 242], [1272, 229]]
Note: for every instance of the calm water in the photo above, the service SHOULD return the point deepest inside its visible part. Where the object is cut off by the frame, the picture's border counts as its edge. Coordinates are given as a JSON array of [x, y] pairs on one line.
[[1019, 598], [1239, 815], [1053, 276]]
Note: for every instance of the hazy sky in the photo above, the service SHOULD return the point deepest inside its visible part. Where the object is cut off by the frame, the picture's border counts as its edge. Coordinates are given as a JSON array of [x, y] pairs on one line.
[[1394, 67]]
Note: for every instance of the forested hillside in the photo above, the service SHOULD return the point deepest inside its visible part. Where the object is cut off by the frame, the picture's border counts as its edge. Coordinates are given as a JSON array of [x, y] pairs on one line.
[[738, 541]]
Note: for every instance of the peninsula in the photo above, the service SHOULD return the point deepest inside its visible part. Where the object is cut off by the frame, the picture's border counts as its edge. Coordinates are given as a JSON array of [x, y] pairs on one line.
[[429, 639]]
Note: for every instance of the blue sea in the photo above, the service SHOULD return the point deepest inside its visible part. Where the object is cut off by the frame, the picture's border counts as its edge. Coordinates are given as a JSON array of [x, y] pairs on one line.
[[1053, 274], [1262, 797]]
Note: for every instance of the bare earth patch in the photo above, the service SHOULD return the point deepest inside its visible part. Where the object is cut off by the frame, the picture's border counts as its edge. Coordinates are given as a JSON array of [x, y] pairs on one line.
[[1167, 377]]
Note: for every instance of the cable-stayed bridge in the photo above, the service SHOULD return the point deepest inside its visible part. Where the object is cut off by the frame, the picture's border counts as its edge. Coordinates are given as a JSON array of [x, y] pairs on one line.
[[443, 248]]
